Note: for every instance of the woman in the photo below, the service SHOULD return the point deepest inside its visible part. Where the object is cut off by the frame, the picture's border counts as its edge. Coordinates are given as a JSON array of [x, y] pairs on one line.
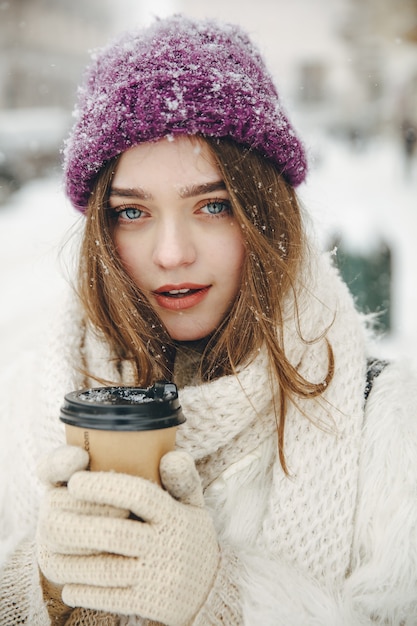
[[289, 500]]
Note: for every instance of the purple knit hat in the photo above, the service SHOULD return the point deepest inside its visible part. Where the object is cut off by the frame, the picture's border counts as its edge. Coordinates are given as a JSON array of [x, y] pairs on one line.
[[179, 76]]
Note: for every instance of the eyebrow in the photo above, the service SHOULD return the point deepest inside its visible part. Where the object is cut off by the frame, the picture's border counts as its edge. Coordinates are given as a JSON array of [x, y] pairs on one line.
[[190, 191], [131, 192], [199, 190]]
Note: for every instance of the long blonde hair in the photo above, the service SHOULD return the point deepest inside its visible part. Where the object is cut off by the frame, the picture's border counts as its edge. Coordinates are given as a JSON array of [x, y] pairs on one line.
[[268, 213]]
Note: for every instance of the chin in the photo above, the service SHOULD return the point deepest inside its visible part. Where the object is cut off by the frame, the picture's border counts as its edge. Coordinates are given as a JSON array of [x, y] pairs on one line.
[[189, 334]]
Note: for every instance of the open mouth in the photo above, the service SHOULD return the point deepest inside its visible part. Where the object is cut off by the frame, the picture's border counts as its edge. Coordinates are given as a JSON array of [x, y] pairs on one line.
[[178, 293], [180, 297]]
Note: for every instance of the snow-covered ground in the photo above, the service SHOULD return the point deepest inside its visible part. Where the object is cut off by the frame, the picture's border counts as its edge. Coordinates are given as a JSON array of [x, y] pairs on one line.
[[364, 194]]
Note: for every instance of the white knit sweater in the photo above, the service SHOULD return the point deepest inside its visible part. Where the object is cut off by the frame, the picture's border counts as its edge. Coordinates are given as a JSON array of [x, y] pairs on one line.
[[332, 544]]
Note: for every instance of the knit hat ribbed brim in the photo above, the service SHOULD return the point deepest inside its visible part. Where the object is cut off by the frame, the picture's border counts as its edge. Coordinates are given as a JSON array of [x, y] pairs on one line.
[[179, 76]]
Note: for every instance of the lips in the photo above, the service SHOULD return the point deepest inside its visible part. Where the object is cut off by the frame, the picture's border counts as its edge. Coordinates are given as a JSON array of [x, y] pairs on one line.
[[180, 297]]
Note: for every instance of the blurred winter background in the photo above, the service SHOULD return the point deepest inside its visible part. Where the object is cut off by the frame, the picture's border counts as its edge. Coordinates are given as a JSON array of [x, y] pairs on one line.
[[347, 73]]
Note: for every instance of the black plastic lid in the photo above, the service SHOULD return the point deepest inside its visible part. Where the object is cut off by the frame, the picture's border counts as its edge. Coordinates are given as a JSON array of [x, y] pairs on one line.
[[123, 408]]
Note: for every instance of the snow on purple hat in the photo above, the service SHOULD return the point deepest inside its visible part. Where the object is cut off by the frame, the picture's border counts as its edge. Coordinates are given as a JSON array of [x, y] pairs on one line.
[[179, 76]]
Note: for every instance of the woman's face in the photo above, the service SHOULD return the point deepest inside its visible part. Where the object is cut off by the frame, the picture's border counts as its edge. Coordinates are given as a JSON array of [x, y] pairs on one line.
[[176, 235]]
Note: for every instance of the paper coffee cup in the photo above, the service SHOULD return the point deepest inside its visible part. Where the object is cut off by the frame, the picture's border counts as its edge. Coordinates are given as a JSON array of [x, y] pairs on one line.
[[124, 429]]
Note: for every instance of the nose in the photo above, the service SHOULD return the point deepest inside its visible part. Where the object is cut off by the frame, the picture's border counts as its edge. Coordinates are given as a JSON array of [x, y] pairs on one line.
[[174, 245]]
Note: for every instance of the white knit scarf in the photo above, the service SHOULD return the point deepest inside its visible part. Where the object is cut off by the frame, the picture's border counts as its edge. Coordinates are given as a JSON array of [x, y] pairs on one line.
[[311, 512]]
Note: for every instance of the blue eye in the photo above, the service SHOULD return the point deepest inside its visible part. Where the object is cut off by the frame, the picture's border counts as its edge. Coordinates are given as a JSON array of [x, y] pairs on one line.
[[130, 213], [217, 207]]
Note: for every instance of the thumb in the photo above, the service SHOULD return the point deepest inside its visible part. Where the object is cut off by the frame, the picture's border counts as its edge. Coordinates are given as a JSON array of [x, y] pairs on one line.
[[180, 478], [61, 464]]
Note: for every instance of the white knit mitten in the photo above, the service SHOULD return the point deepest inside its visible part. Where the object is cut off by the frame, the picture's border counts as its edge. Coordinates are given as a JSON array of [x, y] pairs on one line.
[[161, 568], [58, 466], [54, 471]]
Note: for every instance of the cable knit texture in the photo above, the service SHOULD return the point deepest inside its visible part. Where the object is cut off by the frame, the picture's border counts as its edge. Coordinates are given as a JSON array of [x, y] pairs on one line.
[[333, 544], [179, 76]]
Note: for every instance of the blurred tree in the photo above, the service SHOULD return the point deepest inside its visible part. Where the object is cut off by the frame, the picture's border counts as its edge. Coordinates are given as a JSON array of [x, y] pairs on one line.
[[368, 277]]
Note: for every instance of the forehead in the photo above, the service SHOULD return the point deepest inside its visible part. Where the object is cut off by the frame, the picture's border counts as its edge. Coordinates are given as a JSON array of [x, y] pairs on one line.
[[179, 161]]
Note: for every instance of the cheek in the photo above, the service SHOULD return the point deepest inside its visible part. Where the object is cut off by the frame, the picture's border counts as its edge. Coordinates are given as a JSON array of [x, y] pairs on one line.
[[129, 255], [234, 252]]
